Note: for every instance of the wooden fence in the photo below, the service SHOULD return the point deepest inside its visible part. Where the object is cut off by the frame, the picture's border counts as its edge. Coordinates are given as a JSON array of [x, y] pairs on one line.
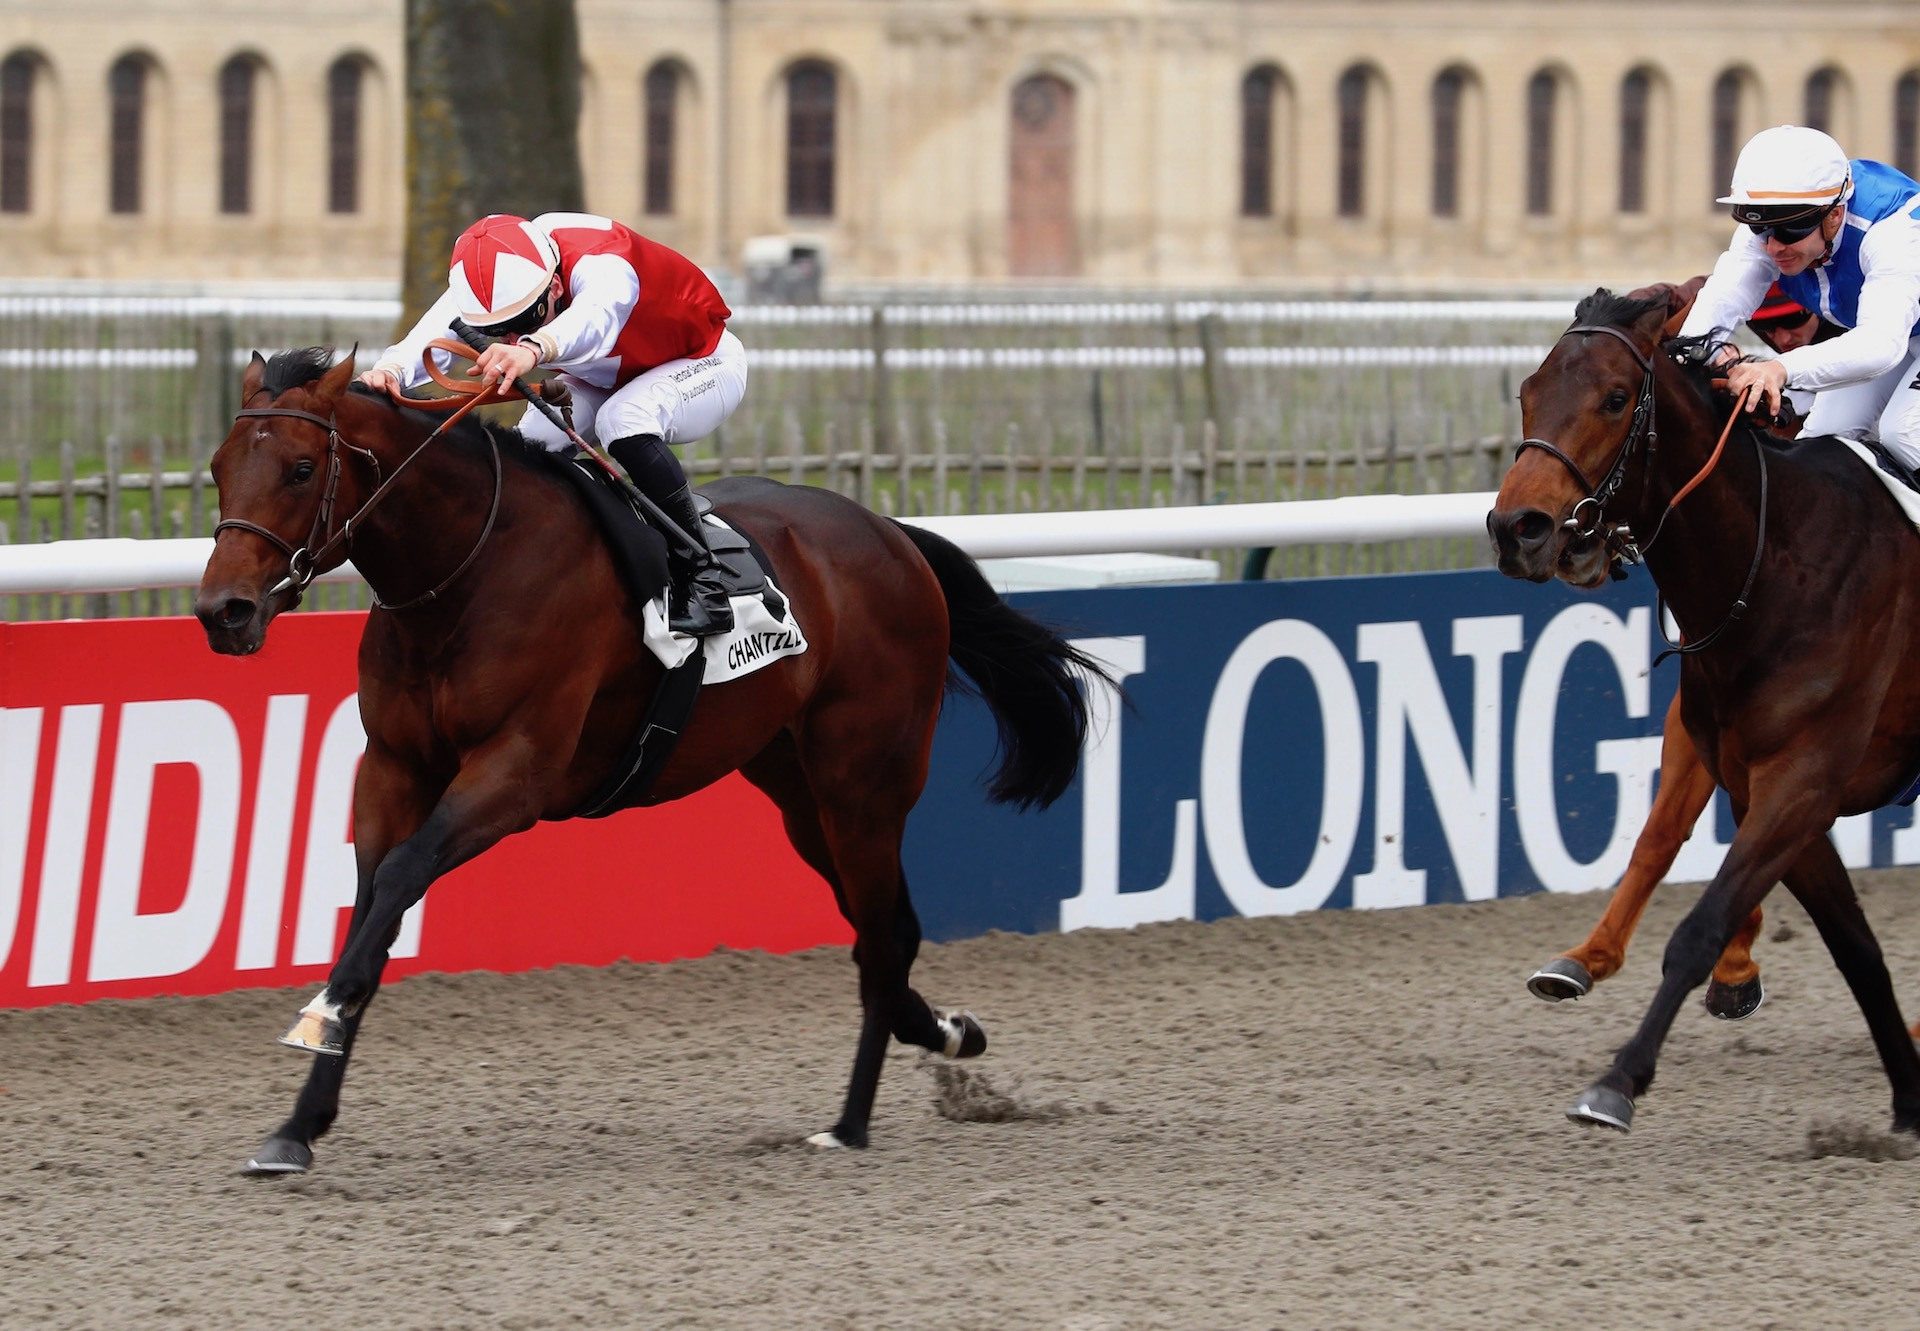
[[911, 410]]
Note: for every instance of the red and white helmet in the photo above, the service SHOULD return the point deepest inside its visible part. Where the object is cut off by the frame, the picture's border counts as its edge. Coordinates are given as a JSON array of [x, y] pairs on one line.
[[501, 265]]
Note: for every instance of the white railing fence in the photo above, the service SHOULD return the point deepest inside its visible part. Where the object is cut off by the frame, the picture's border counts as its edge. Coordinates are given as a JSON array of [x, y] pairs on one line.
[[122, 565]]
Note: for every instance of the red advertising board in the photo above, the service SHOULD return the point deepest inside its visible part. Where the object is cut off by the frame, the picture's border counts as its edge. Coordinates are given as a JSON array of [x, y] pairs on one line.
[[177, 822]]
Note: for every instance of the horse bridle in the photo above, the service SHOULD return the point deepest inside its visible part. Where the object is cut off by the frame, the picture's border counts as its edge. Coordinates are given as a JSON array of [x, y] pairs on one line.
[[303, 561], [1622, 549]]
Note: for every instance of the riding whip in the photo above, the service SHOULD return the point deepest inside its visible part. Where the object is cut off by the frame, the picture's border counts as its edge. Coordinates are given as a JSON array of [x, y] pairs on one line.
[[701, 557]]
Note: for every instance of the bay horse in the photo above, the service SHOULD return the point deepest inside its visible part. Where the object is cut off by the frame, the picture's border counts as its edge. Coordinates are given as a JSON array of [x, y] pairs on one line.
[[1734, 992], [506, 679], [1793, 577]]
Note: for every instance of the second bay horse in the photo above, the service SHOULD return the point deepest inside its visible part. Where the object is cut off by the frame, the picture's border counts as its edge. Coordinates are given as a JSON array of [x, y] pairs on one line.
[[1796, 582]]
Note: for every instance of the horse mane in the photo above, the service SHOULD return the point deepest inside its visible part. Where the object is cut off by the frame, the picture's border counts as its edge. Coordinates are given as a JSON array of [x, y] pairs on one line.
[[1603, 309], [290, 369], [304, 365]]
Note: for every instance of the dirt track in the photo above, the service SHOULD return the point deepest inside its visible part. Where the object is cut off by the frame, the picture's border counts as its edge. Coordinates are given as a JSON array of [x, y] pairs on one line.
[[1336, 1120]]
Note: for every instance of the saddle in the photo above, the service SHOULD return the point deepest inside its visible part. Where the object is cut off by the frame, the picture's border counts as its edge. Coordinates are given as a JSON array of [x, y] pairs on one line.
[[640, 551], [639, 554]]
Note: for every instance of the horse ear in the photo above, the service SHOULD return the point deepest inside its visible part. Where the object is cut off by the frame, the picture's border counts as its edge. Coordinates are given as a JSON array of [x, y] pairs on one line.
[[1652, 325], [1679, 301], [334, 382], [250, 381]]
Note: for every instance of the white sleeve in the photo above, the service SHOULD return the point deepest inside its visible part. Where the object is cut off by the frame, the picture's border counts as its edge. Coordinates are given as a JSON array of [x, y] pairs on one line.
[[1889, 308], [403, 358], [1734, 289], [602, 294]]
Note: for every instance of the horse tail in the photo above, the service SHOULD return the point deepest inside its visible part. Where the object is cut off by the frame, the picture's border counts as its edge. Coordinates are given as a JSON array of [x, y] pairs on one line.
[[1021, 669]]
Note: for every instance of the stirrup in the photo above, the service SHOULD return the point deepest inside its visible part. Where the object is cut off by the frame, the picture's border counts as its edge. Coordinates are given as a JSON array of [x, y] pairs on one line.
[[705, 612]]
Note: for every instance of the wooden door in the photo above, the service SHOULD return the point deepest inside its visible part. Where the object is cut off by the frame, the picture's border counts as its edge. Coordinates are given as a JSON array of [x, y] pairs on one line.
[[1042, 240]]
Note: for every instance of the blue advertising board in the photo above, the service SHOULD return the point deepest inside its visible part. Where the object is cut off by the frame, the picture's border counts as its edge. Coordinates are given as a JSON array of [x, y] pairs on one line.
[[1345, 742]]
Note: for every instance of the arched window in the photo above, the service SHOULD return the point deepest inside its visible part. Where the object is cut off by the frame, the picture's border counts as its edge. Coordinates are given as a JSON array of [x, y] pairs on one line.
[[1449, 99], [1542, 95], [662, 90], [16, 132], [346, 88], [811, 97], [1906, 122], [1258, 93], [237, 80], [1726, 128], [127, 96], [1823, 96], [1351, 98], [1636, 96]]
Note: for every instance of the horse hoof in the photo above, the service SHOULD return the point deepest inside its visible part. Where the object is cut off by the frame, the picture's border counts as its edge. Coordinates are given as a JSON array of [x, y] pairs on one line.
[[1734, 1002], [1563, 977], [1602, 1107], [278, 1155], [319, 1028], [965, 1038], [838, 1139]]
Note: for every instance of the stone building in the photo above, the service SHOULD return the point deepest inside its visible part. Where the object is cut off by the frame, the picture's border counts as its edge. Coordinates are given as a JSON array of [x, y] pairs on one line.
[[1331, 145]]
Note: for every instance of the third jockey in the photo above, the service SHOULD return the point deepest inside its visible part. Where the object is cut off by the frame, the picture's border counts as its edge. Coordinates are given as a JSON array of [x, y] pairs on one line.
[[1842, 238], [637, 334]]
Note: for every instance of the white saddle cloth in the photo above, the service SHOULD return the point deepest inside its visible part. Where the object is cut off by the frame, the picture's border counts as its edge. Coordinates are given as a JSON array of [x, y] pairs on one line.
[[758, 637], [1908, 499]]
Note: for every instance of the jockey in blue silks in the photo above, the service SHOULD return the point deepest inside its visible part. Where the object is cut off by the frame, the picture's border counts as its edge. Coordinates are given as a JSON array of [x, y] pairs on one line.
[[1842, 238]]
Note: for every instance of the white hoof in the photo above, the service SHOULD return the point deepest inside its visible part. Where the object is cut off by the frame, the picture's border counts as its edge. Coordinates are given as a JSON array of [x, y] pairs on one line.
[[826, 1141], [319, 1028]]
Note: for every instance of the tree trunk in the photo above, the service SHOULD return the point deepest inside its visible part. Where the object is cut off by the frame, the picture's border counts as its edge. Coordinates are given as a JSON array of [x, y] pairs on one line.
[[493, 115]]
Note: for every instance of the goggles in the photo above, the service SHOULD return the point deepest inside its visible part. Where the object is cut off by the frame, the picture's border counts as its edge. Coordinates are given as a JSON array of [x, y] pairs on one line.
[[1787, 233], [524, 322]]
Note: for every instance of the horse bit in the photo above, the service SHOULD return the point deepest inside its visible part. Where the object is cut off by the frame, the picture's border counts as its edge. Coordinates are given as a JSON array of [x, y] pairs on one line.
[[1622, 548], [303, 562]]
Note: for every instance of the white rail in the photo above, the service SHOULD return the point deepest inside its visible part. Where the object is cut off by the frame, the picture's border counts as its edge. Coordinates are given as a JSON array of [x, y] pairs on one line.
[[16, 305], [122, 564]]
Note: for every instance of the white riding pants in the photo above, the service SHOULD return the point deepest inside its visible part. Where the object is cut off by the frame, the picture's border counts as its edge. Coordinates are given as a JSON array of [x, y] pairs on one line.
[[681, 401], [1886, 408]]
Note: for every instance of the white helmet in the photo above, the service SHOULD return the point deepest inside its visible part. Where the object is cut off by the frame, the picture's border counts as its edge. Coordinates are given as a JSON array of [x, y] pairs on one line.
[[1788, 173], [501, 266]]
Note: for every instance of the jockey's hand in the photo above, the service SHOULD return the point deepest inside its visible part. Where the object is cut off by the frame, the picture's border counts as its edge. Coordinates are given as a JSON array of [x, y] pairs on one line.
[[1758, 383], [381, 381], [504, 362]]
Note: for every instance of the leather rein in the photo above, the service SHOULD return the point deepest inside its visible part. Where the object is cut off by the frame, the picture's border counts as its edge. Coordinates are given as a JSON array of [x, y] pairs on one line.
[[322, 538], [1622, 549]]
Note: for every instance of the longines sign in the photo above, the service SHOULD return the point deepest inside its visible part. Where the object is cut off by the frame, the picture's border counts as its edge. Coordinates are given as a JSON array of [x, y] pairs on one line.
[[172, 821]]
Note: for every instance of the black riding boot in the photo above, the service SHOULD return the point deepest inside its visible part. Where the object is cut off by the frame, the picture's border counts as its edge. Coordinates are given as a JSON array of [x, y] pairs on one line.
[[698, 604]]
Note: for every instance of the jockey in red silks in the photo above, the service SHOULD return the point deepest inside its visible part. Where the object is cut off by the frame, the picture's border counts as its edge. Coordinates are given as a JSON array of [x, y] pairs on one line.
[[1784, 325], [637, 334]]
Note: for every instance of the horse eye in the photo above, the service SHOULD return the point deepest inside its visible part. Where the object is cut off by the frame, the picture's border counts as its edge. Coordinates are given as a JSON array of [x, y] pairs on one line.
[[302, 472], [1614, 401]]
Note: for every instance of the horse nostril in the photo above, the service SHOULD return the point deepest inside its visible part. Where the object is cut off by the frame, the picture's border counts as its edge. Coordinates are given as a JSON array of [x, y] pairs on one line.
[[1532, 527], [234, 613]]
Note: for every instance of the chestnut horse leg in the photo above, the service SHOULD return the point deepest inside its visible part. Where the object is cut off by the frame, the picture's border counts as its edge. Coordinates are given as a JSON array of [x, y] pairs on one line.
[[1685, 789], [1791, 809], [844, 799], [389, 805]]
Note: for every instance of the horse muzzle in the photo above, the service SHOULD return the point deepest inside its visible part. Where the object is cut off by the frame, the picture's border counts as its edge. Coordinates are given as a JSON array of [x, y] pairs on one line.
[[235, 625], [1526, 542]]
